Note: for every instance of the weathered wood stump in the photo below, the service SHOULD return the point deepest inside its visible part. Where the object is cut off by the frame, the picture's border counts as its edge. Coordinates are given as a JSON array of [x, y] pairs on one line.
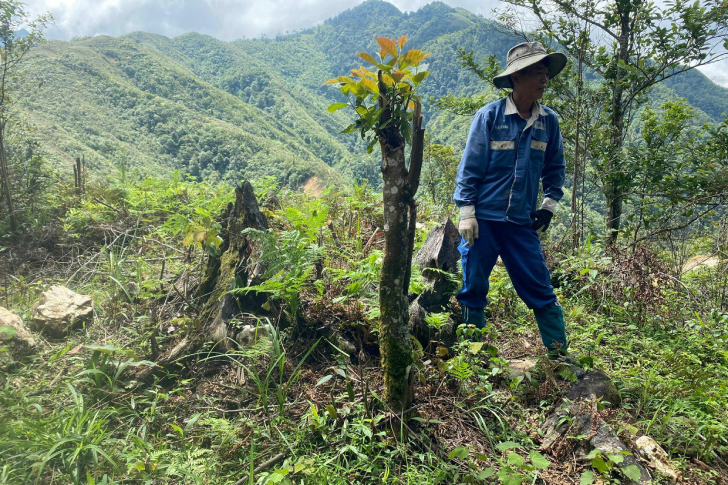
[[438, 259], [234, 268]]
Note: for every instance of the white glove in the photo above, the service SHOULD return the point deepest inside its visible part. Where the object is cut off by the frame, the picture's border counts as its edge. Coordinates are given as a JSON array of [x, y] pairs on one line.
[[468, 226]]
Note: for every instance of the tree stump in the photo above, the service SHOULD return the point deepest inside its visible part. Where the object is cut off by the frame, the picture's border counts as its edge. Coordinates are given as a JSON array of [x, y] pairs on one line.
[[234, 268], [438, 259]]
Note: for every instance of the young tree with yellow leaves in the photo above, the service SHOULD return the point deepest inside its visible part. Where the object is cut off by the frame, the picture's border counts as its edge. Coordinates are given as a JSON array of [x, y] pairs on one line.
[[390, 113]]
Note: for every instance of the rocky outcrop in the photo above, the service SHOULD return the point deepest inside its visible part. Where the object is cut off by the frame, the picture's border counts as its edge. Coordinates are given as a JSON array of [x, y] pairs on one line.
[[577, 418], [249, 335], [594, 386], [15, 339], [607, 442], [60, 310]]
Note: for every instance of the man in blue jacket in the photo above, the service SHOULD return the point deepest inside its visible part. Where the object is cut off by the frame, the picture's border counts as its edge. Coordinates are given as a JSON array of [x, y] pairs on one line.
[[514, 144]]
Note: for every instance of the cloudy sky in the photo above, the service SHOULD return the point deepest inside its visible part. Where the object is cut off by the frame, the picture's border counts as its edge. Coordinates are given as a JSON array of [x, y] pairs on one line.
[[225, 19]]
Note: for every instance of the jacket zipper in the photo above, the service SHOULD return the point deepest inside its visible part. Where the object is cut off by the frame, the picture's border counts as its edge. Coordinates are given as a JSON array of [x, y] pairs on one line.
[[515, 169]]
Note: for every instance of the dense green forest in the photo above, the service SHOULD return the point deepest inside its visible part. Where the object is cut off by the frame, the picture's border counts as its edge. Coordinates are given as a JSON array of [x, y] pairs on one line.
[[194, 244], [253, 108]]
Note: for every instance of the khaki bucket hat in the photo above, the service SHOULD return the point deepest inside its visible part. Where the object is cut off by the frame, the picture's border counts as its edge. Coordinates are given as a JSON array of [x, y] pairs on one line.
[[524, 55]]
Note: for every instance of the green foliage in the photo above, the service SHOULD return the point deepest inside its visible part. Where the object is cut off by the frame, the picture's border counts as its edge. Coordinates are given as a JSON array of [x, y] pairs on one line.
[[683, 162], [438, 175], [75, 438], [605, 463], [393, 87], [104, 369], [288, 265]]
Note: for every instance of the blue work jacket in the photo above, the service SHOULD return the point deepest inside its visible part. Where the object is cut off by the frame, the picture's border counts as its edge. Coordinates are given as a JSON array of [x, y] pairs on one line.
[[505, 158]]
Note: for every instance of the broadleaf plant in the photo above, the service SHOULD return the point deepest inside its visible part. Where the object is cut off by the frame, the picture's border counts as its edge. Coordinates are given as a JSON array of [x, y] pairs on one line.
[[398, 73]]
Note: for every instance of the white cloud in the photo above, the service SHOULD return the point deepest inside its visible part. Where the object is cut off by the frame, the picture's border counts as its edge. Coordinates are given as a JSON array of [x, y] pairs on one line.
[[717, 72], [224, 19]]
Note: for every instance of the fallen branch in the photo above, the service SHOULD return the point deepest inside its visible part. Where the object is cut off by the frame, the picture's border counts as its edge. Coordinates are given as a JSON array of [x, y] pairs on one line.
[[263, 466]]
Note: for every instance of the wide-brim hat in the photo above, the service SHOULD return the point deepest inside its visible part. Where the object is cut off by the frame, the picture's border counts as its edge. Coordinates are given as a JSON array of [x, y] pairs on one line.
[[527, 54]]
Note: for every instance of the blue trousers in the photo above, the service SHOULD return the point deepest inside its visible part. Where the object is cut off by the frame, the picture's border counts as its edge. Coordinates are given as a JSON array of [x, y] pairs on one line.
[[520, 249]]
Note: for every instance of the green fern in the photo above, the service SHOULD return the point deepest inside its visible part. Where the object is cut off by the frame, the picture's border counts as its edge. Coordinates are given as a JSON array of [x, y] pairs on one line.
[[461, 370]]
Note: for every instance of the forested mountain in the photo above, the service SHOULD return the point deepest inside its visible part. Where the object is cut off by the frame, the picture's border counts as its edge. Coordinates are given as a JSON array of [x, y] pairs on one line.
[[252, 108], [181, 312]]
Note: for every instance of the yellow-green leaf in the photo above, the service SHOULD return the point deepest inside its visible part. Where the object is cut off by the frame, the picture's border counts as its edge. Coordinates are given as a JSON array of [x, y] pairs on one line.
[[412, 58], [356, 89], [361, 110], [401, 41], [388, 46], [370, 85], [332, 81], [387, 79], [337, 106], [361, 72], [399, 76], [420, 76], [367, 58]]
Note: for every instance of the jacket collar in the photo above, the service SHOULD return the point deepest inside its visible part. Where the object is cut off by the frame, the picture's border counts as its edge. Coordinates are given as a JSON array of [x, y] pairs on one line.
[[536, 111]]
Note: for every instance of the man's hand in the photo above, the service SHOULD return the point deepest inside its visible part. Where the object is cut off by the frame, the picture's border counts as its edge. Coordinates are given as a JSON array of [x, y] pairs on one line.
[[542, 218], [468, 226]]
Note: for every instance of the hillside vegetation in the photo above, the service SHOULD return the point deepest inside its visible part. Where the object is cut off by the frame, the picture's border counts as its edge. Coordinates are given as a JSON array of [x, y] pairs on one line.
[[253, 108], [196, 281], [307, 394]]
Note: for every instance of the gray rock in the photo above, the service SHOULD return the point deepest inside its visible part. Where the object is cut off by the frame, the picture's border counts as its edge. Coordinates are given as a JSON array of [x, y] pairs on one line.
[[19, 340], [343, 344], [582, 423], [519, 367], [652, 452], [607, 441], [60, 310], [595, 386], [249, 335]]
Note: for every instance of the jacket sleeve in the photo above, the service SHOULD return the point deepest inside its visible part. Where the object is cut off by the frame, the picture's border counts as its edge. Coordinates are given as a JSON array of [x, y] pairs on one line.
[[474, 162], [554, 169]]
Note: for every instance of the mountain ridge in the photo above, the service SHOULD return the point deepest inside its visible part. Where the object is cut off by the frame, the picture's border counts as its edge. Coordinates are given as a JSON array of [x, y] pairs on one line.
[[256, 107]]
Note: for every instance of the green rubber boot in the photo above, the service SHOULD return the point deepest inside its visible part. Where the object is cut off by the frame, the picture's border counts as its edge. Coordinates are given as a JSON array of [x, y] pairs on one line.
[[550, 320], [473, 316]]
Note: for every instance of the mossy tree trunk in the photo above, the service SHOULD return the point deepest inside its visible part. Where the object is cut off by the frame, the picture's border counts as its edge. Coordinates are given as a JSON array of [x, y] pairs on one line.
[[400, 215]]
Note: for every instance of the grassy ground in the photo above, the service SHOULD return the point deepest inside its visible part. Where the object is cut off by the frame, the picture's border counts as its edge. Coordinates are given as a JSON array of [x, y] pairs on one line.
[[293, 408]]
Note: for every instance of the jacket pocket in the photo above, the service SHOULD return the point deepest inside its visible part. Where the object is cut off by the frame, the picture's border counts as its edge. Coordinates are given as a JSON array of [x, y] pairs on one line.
[[502, 153]]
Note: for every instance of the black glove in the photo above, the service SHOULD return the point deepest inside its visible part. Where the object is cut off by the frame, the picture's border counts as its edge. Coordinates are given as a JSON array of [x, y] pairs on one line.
[[541, 218]]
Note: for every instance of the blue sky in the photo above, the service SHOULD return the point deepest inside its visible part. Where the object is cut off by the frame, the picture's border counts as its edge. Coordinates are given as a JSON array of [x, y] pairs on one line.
[[226, 19]]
